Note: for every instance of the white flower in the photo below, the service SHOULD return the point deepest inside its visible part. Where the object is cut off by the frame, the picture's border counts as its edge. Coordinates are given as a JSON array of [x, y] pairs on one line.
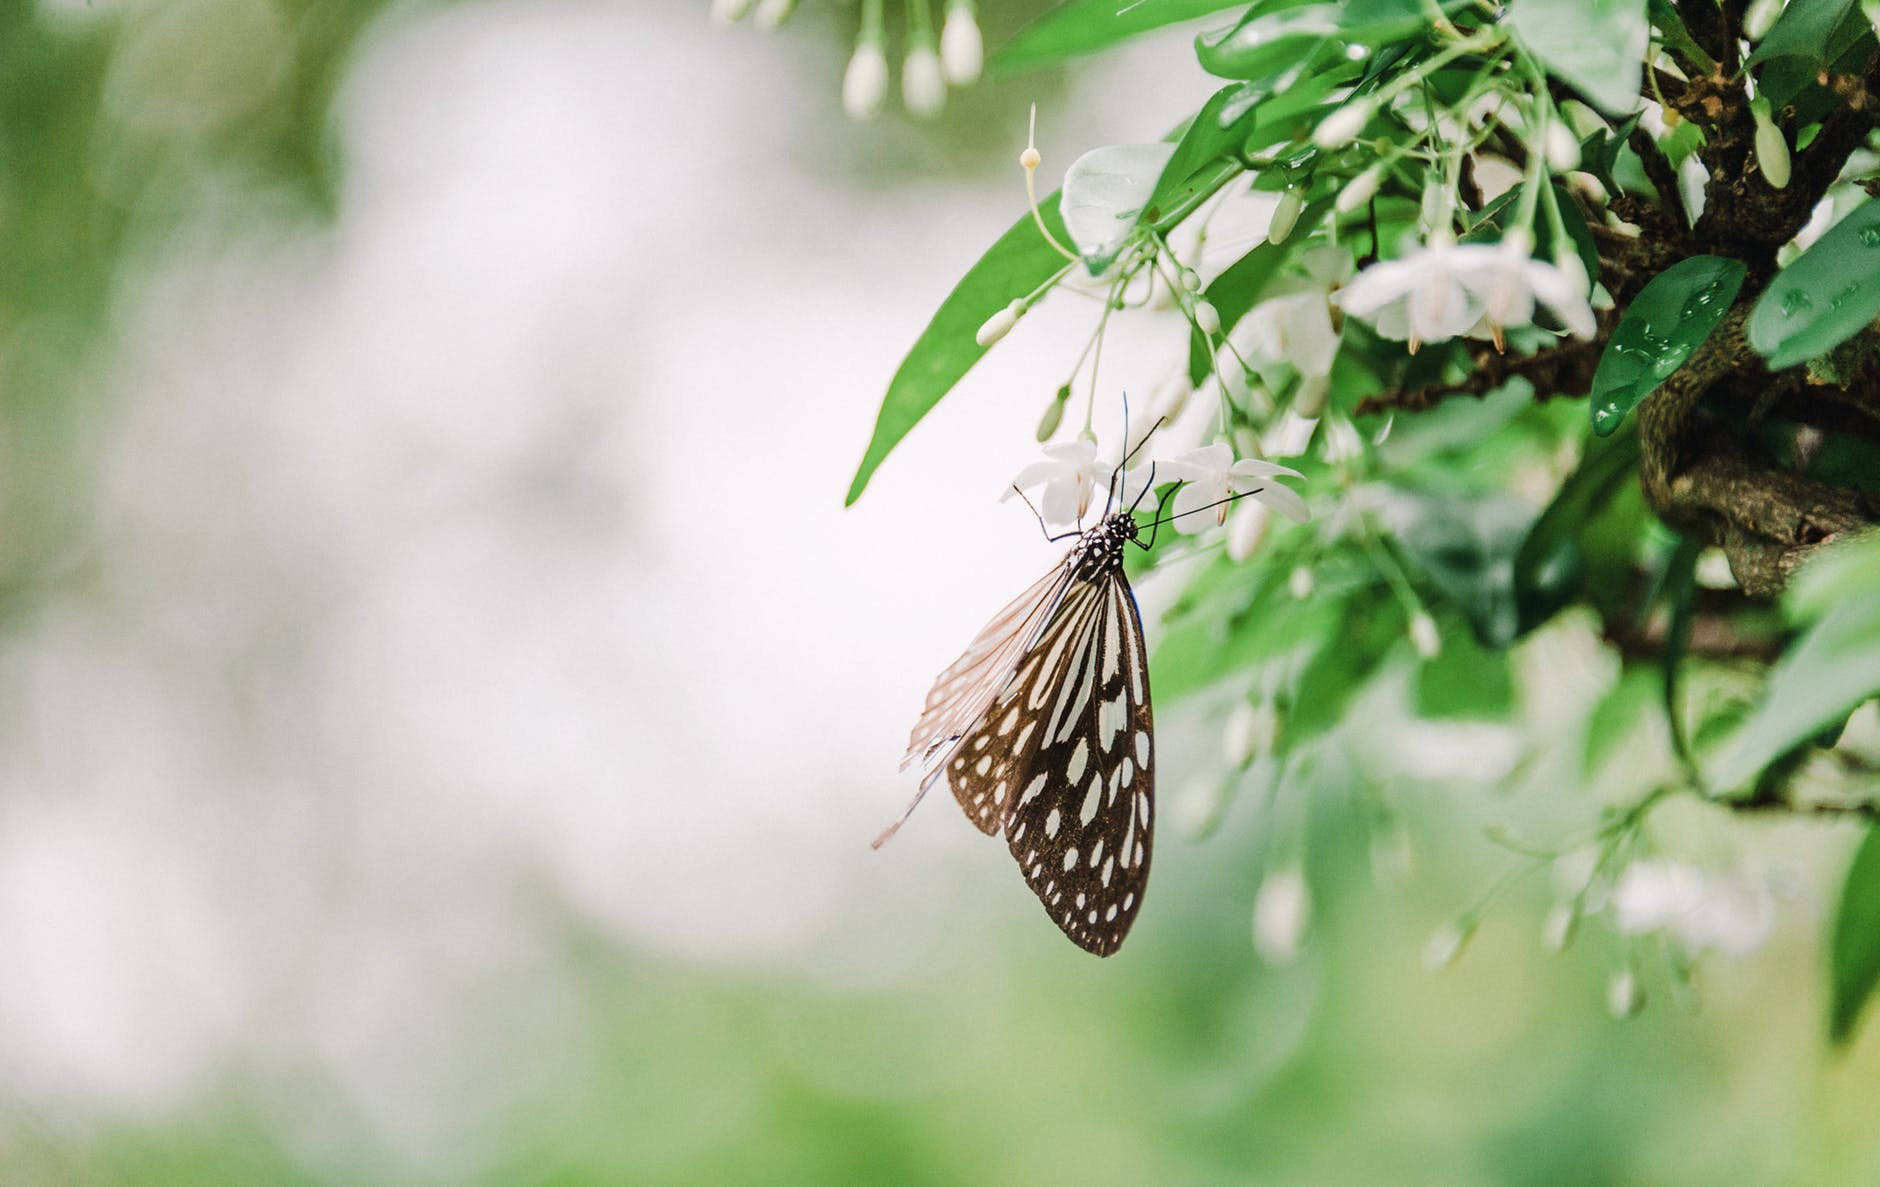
[[923, 87], [1075, 480], [1210, 476], [962, 53], [1700, 909], [1280, 912], [865, 84], [1420, 297], [1294, 325], [1508, 281]]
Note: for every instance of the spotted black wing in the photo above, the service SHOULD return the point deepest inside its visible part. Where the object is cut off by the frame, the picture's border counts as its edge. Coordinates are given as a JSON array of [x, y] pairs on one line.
[[1082, 821]]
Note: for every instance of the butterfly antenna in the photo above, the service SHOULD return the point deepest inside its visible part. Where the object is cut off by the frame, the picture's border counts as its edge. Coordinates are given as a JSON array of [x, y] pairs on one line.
[[1211, 506]]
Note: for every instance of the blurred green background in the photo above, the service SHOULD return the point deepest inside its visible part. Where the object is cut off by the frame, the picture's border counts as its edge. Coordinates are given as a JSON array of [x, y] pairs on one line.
[[443, 711]]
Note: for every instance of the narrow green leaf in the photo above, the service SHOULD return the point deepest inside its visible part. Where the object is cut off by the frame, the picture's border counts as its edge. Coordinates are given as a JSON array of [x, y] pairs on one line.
[[1018, 263], [1085, 26], [1210, 137], [1664, 325], [1680, 587], [1594, 46], [1826, 673], [1549, 567], [1854, 951], [1829, 294]]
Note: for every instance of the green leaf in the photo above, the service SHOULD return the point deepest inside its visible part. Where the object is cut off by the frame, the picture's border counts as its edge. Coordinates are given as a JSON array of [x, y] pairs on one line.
[[1811, 36], [1465, 680], [1829, 294], [1854, 952], [1549, 567], [1085, 26], [1664, 325], [1595, 46], [1464, 547], [1599, 152], [1213, 135], [1105, 192], [1267, 47], [1018, 263], [1825, 674], [1680, 587]]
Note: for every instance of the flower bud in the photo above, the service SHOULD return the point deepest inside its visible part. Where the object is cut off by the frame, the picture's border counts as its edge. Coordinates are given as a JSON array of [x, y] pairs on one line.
[[726, 12], [1285, 216], [865, 83], [1190, 280], [1053, 414], [1000, 324], [1246, 530], [1447, 944], [1029, 158], [772, 13], [1423, 633], [1301, 583], [1760, 18], [1240, 735], [1342, 126], [962, 52], [923, 87], [1199, 805], [1563, 151], [1360, 189], [1558, 927], [1281, 911], [1772, 150], [1624, 997], [1207, 317], [1434, 210]]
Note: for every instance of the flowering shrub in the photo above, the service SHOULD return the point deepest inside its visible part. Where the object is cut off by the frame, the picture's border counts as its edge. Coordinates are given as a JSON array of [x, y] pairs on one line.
[[1563, 320]]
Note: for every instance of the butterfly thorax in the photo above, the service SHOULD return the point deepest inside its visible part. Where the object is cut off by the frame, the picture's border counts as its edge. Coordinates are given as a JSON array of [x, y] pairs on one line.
[[1100, 550]]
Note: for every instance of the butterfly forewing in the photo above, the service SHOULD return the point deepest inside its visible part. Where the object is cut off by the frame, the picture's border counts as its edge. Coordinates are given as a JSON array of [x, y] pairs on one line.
[[1081, 825]]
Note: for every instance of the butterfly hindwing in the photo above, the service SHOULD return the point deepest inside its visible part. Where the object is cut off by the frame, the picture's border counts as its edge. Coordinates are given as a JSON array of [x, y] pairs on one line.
[[1081, 825]]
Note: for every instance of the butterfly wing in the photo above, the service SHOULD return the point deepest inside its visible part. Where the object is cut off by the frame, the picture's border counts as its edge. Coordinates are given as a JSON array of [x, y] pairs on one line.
[[1082, 823]]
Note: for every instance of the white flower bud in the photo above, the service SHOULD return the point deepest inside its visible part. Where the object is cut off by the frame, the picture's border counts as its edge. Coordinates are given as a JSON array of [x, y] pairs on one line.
[[1190, 280], [1199, 805], [962, 52], [1772, 149], [1558, 927], [1624, 997], [1285, 216], [1360, 189], [1563, 151], [1000, 324], [1301, 583], [772, 13], [1281, 911], [1030, 157], [1434, 210], [1207, 317], [1240, 735], [1447, 944], [1342, 126], [1423, 633], [1246, 528], [727, 12], [923, 87], [865, 83], [1760, 18]]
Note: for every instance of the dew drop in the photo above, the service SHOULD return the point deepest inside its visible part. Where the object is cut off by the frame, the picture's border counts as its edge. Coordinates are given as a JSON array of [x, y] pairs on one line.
[[1869, 236], [1795, 301]]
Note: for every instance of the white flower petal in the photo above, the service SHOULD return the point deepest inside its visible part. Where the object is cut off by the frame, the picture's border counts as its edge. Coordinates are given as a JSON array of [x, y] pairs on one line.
[[1285, 500]]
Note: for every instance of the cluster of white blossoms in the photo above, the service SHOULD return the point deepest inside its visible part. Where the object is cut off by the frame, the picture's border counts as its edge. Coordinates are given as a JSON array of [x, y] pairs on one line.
[[1445, 289], [1702, 910], [956, 58], [1074, 481]]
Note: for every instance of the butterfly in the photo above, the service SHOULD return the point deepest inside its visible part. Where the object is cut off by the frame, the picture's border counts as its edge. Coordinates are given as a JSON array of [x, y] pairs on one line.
[[1044, 731]]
